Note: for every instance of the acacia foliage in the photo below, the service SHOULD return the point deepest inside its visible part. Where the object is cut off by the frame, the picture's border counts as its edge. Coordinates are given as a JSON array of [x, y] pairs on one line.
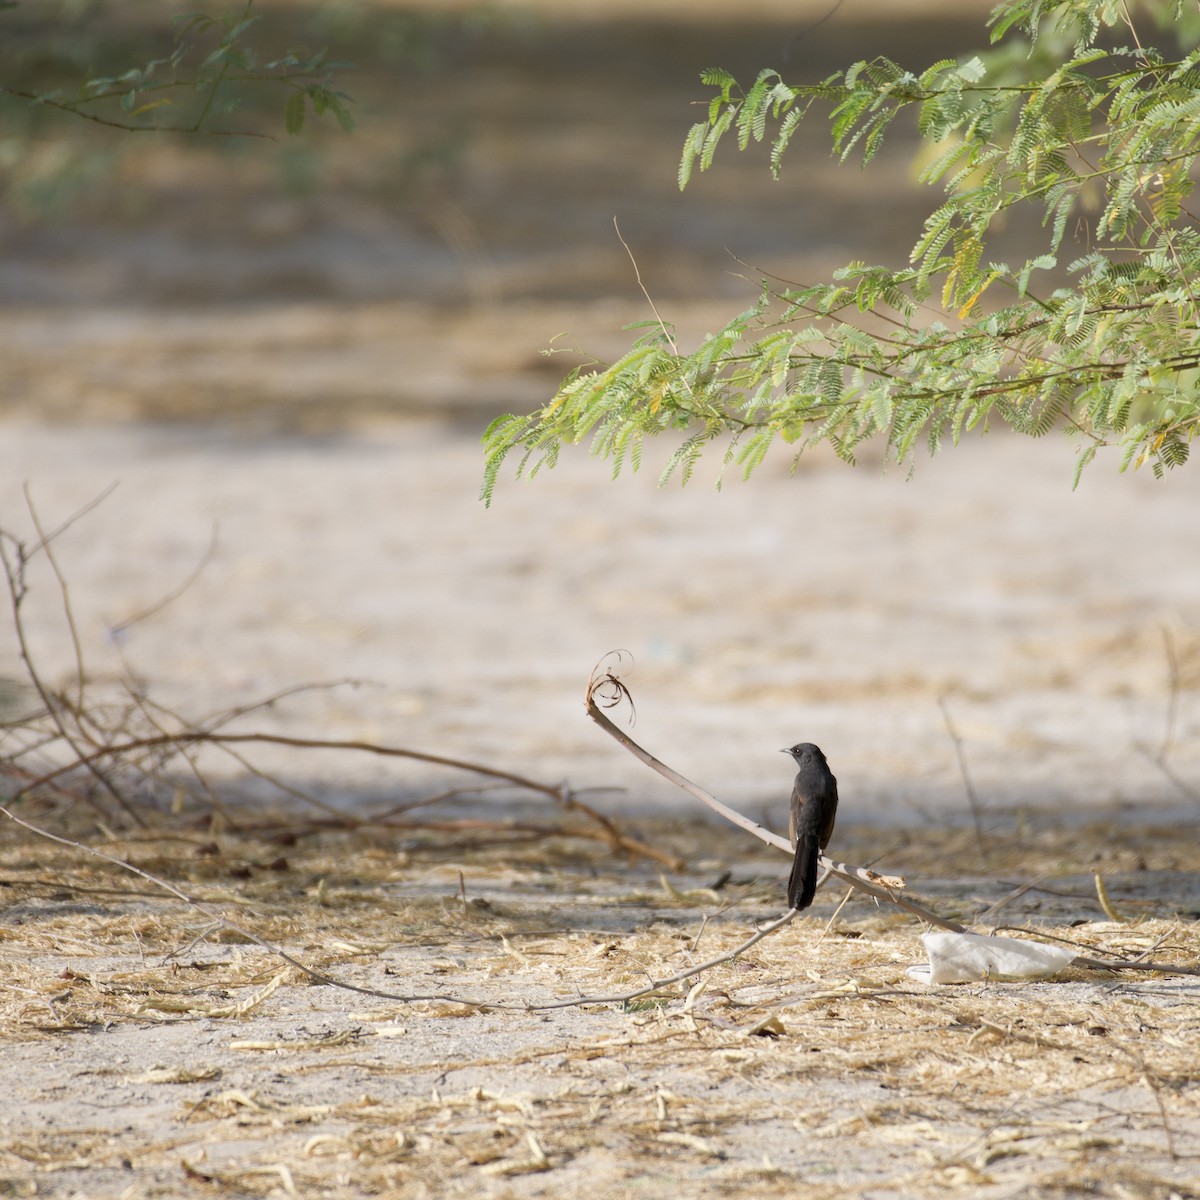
[[1074, 112], [197, 84]]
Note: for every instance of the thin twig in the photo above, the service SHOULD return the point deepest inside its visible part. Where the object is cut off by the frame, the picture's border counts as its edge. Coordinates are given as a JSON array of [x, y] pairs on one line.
[[15, 579], [972, 799], [222, 717], [1152, 1083], [158, 605], [656, 984], [1184, 788], [666, 329], [1172, 694], [75, 111], [64, 589], [145, 705], [881, 886], [79, 513]]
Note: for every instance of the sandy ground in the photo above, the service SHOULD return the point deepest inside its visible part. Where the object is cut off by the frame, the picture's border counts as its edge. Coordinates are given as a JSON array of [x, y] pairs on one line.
[[149, 1053], [292, 392], [834, 605]]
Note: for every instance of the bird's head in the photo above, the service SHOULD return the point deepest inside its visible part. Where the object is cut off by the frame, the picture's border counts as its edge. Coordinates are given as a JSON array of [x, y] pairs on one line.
[[805, 752]]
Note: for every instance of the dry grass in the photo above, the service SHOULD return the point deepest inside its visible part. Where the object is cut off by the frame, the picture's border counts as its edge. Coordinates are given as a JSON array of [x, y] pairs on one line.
[[157, 1052]]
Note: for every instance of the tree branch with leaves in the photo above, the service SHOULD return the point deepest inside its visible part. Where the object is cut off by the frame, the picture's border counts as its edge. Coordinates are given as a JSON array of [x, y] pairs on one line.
[[1072, 113], [198, 85]]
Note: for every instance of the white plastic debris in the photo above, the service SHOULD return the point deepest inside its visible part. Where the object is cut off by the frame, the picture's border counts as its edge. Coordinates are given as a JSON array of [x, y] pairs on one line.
[[971, 958]]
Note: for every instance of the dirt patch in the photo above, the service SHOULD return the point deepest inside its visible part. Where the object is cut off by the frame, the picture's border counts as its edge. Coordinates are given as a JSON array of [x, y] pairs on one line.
[[837, 603], [148, 1050]]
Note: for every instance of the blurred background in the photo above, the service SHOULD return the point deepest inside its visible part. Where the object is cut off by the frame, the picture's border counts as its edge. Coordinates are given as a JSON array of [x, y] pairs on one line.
[[421, 263], [284, 350]]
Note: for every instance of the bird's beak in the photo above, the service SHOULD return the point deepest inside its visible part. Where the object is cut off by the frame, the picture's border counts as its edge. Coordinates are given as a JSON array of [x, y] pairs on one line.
[[785, 751]]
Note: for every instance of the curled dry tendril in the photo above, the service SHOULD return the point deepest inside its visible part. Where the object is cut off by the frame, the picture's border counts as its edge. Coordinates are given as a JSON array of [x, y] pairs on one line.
[[606, 688]]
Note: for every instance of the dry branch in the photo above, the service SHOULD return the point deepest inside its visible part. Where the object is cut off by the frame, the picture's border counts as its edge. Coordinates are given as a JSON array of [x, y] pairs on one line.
[[656, 985], [866, 880], [559, 793], [110, 748], [883, 887]]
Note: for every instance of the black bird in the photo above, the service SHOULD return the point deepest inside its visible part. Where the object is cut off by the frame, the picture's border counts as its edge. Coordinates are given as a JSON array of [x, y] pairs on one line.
[[814, 809]]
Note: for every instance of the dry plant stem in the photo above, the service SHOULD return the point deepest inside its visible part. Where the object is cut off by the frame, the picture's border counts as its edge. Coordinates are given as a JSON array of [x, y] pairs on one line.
[[1159, 758], [393, 811], [560, 794], [218, 720], [170, 598], [1173, 694], [663, 326], [972, 799], [15, 577], [1151, 1081], [865, 880], [215, 721], [144, 706], [657, 984], [46, 545], [74, 110], [873, 884], [1118, 964]]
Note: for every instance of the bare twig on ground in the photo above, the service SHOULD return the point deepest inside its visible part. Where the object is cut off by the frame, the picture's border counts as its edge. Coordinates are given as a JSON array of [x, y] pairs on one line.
[[882, 887], [46, 546], [116, 749], [1159, 757], [1172, 694], [862, 878], [162, 602], [656, 985], [15, 557], [972, 798]]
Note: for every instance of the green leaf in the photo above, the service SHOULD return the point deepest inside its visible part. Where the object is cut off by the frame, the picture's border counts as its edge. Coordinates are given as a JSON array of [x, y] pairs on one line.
[[293, 112], [1043, 262], [237, 30], [1097, 140], [692, 147]]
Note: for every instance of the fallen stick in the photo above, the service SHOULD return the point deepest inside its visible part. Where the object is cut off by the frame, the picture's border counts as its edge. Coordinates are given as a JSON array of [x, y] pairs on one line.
[[882, 887], [561, 794]]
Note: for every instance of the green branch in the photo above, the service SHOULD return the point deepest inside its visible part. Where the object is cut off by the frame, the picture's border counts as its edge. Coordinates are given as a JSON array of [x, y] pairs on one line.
[[1108, 349]]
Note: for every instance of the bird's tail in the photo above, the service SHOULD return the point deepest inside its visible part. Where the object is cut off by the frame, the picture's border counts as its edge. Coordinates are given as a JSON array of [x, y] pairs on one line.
[[802, 884]]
